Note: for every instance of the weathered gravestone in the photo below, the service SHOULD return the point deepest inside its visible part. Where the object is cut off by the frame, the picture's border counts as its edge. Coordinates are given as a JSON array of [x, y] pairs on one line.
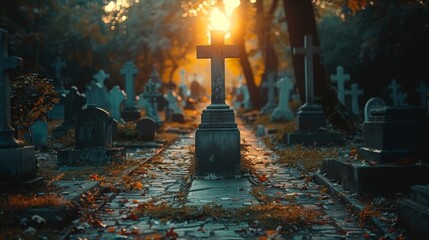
[[130, 113], [269, 83], [17, 162], [93, 140], [96, 91], [217, 139], [243, 91], [398, 97], [394, 157], [371, 104], [146, 127], [183, 88], [58, 111], [423, 91], [310, 117], [283, 112], [176, 113], [73, 102], [340, 78], [116, 98], [151, 94], [355, 93], [197, 90], [39, 134]]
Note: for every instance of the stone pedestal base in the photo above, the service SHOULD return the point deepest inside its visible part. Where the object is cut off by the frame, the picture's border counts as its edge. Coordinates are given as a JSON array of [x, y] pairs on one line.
[[17, 163], [267, 109], [378, 180], [89, 157], [217, 143], [130, 114], [281, 115], [310, 117]]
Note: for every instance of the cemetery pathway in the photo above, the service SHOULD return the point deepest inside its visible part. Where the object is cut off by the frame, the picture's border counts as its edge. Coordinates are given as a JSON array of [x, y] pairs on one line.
[[166, 183]]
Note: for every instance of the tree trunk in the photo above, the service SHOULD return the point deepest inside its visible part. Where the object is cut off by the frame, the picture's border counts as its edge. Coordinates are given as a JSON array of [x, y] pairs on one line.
[[301, 20], [238, 31]]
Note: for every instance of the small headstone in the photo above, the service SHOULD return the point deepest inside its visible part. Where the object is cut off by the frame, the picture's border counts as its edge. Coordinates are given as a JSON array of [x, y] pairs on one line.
[[96, 91], [93, 139], [423, 91], [371, 104], [183, 88], [172, 100], [197, 91], [355, 93], [146, 127], [39, 134], [340, 78], [73, 102], [130, 112], [116, 96], [283, 112]]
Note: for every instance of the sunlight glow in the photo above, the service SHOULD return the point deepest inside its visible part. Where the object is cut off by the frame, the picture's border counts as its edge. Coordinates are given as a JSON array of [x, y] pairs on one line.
[[218, 20], [115, 11]]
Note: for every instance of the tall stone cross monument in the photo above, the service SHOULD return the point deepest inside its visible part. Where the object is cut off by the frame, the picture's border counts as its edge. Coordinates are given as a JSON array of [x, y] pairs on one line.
[[16, 160], [217, 139], [130, 113], [310, 117]]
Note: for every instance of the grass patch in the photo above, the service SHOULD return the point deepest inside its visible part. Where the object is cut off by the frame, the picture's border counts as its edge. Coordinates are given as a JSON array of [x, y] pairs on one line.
[[21, 202], [308, 157]]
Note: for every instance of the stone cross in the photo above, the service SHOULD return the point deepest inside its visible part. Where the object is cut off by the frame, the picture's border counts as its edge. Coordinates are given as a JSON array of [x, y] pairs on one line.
[[151, 93], [73, 103], [340, 78], [395, 88], [217, 52], [129, 70], [355, 92], [100, 77], [401, 96], [7, 138], [271, 85], [423, 90], [57, 66], [308, 50]]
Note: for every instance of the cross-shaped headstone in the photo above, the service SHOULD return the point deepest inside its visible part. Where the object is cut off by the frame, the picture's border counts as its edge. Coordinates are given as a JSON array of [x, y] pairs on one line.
[[57, 66], [151, 94], [355, 93], [154, 75], [129, 70], [7, 138], [308, 51], [271, 85], [217, 52], [116, 96], [394, 87], [401, 96], [101, 76], [423, 90], [340, 78], [284, 85]]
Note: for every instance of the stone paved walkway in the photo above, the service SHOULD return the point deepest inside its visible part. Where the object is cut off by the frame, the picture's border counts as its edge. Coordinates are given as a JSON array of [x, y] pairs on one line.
[[166, 179]]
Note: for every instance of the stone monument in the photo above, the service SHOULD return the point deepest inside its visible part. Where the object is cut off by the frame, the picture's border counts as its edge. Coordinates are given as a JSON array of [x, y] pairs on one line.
[[269, 83], [116, 97], [57, 112], [130, 113], [355, 93], [310, 117], [217, 139], [16, 161], [151, 94], [283, 112], [423, 91]]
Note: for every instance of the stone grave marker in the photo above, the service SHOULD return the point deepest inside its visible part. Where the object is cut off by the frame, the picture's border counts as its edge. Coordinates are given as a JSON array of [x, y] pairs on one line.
[[130, 113], [57, 112], [173, 103], [147, 127], [397, 96], [340, 78], [97, 93], [16, 161], [73, 102], [244, 92], [269, 83], [116, 97], [93, 139], [423, 91], [217, 139], [283, 112], [310, 117], [39, 134], [183, 88], [355, 93], [371, 104], [151, 94]]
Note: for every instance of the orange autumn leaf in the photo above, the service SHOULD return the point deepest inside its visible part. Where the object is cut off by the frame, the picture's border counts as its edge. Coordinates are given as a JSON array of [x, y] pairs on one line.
[[171, 234], [94, 177], [263, 178], [111, 229], [138, 185]]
